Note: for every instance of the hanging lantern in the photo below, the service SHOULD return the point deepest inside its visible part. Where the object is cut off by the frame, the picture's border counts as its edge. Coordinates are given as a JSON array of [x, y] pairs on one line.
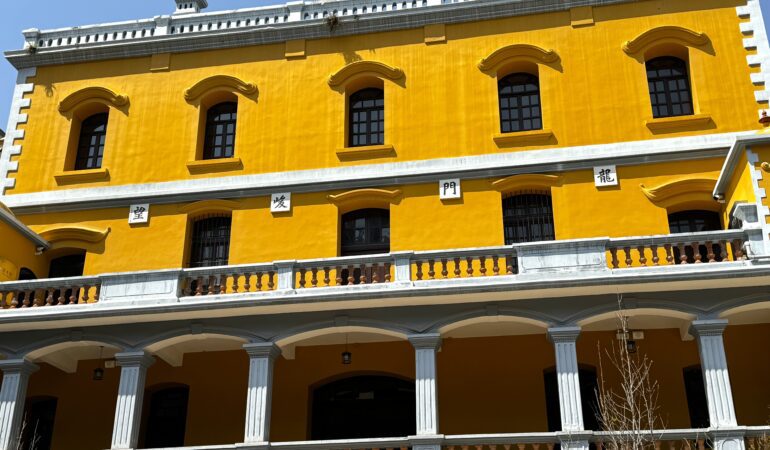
[[99, 372], [347, 357]]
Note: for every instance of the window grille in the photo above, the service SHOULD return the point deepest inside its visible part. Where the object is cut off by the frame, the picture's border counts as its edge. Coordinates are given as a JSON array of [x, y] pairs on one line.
[[210, 243], [528, 217], [220, 131], [93, 133], [519, 95], [367, 118], [669, 86]]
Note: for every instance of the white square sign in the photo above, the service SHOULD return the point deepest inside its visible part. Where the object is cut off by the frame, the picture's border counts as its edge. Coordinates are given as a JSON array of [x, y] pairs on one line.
[[280, 202], [448, 189], [605, 176], [139, 213]]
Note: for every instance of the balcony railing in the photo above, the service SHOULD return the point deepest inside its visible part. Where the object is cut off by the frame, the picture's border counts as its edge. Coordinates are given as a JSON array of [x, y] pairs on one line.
[[556, 260]]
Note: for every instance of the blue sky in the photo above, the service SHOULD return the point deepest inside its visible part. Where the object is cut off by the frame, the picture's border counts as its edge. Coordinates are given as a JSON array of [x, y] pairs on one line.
[[20, 14]]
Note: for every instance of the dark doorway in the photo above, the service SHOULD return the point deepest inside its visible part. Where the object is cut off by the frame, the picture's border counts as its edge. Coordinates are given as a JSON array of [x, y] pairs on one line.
[[27, 274], [167, 419], [363, 406], [364, 232], [67, 266], [588, 389], [37, 427], [692, 222], [696, 397]]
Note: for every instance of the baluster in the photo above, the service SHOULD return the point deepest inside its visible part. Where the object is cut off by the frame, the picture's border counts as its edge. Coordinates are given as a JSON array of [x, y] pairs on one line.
[[211, 285], [247, 282], [702, 444], [506, 446], [657, 445], [14, 299], [362, 278], [418, 266], [642, 258], [270, 280], [74, 295], [712, 257], [314, 277], [669, 254], [351, 275], [655, 257], [35, 300], [496, 265], [339, 275], [682, 254], [97, 292], [84, 300], [222, 284], [62, 298], [327, 280], [387, 272], [696, 252], [535, 446], [302, 273], [236, 276], [723, 247], [521, 446], [48, 296], [3, 304], [549, 445], [629, 261], [199, 286], [457, 267], [483, 265], [738, 250], [375, 273], [614, 254], [258, 275], [444, 271], [431, 271], [469, 269]]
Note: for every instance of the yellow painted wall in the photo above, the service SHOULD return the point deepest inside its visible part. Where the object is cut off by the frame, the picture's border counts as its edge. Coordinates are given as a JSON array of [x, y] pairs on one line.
[[596, 94], [763, 153], [749, 366], [740, 188], [419, 220], [18, 251]]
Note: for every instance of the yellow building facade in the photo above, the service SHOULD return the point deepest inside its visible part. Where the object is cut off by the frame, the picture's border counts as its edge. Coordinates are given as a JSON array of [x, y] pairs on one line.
[[362, 225]]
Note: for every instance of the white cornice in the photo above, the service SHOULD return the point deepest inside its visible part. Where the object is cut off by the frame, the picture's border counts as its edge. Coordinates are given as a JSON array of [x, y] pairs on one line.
[[379, 175]]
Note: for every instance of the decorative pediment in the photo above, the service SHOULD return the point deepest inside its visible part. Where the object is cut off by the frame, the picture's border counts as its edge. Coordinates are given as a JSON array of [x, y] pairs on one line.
[[527, 181], [365, 198], [209, 206], [523, 52], [74, 233], [219, 83], [665, 35], [364, 68], [666, 191], [92, 94]]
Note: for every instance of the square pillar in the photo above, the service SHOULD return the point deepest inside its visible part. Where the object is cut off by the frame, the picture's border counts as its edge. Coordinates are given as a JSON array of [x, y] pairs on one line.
[[260, 392], [568, 377], [16, 374], [425, 348], [128, 409], [716, 379]]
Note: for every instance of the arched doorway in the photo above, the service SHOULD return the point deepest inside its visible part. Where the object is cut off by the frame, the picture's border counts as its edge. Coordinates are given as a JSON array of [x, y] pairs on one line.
[[167, 417], [363, 406]]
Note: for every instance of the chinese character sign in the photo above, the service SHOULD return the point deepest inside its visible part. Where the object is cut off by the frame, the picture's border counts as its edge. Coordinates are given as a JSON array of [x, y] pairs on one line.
[[280, 202], [605, 176], [139, 213], [449, 189]]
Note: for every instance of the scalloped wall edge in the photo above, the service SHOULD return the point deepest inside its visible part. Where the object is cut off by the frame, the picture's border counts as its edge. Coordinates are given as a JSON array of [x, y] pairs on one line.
[[678, 187], [514, 51], [74, 233], [358, 194], [94, 93], [525, 181], [357, 68], [665, 33], [218, 83]]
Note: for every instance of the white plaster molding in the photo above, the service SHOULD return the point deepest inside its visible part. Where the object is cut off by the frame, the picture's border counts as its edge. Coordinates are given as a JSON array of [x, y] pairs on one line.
[[260, 391], [756, 39], [12, 395], [567, 374], [13, 133], [715, 374], [379, 175], [760, 195], [128, 408], [425, 348]]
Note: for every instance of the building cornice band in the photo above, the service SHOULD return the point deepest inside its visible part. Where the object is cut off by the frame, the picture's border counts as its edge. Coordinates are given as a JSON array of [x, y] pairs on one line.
[[301, 28], [494, 165]]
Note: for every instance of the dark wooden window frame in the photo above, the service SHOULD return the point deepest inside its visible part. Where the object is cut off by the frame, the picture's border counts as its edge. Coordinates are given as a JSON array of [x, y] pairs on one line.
[[376, 221], [528, 217], [519, 103], [91, 140], [366, 117], [692, 221], [221, 124], [668, 82], [210, 241]]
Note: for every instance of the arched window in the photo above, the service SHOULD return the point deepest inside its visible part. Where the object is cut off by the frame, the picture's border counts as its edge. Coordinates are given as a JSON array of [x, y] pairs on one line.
[[210, 242], [27, 274], [519, 95], [669, 85], [693, 222], [528, 217], [93, 132], [363, 407], [366, 231], [167, 418], [588, 400], [219, 141], [367, 118], [39, 417]]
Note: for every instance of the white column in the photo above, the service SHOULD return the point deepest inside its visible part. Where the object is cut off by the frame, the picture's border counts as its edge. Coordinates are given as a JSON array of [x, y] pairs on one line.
[[260, 391], [425, 348], [716, 379], [128, 409], [567, 375], [16, 374]]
